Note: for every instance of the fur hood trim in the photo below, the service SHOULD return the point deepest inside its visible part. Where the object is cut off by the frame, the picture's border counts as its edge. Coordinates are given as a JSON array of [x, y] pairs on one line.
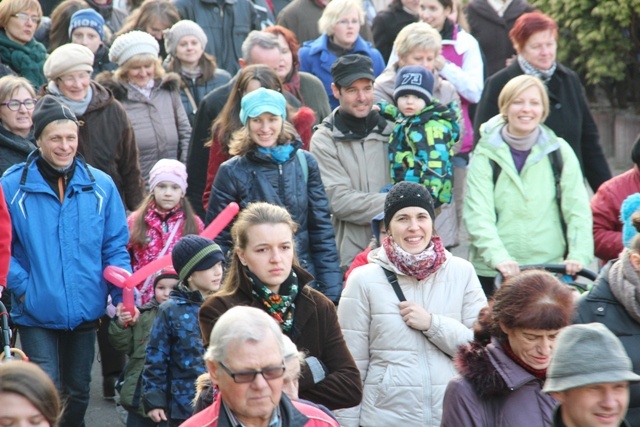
[[475, 365], [170, 82]]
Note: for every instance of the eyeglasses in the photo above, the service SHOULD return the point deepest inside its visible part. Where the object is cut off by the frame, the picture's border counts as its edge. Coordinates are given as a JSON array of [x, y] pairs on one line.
[[347, 22], [25, 18], [241, 377], [83, 77], [14, 104]]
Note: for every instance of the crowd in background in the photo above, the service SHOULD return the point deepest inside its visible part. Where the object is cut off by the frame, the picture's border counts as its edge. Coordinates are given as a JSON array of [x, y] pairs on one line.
[[358, 138]]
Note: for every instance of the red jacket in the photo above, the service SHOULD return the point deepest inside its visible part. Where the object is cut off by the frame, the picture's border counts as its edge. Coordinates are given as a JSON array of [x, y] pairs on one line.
[[605, 207], [5, 240], [295, 413]]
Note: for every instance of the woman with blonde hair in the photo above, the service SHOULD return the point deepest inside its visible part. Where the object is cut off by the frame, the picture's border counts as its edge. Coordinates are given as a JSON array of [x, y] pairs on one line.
[[270, 166], [19, 20], [526, 202], [265, 274], [151, 98], [17, 101], [340, 25]]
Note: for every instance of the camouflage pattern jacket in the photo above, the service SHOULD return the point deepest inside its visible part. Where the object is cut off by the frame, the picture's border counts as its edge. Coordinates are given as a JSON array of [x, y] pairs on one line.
[[174, 356]]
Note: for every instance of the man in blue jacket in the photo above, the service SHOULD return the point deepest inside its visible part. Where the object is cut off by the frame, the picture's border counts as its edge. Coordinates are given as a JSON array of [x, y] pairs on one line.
[[68, 224]]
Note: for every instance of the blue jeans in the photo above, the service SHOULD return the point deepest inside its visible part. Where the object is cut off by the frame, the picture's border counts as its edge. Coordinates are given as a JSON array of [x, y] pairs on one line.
[[67, 357]]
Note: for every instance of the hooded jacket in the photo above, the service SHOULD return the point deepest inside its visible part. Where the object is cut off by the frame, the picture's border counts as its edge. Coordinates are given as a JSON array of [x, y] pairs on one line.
[[160, 124], [405, 371], [174, 355], [14, 148], [315, 331], [117, 154], [518, 218], [494, 391], [254, 178], [59, 249]]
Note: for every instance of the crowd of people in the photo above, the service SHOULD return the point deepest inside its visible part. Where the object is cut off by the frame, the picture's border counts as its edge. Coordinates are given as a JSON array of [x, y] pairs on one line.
[[357, 139]]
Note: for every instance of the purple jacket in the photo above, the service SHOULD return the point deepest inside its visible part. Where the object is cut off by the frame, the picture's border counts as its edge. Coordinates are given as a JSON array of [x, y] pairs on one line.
[[494, 391]]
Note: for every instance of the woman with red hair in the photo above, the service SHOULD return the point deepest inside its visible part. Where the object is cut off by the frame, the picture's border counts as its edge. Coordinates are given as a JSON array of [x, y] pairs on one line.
[[306, 87], [534, 37], [503, 369]]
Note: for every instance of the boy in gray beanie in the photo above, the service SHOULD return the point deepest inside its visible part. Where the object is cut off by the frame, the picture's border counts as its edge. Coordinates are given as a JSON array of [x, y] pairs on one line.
[[589, 375]]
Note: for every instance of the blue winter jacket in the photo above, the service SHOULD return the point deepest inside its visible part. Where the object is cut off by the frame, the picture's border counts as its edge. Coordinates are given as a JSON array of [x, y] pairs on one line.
[[174, 355], [59, 250], [198, 91], [316, 58], [253, 178]]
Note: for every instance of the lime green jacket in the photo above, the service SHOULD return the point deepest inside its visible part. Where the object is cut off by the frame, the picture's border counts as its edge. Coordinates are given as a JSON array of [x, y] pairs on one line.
[[519, 219]]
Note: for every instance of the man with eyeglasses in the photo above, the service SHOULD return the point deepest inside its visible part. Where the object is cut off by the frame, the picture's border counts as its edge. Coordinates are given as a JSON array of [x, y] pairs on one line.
[[245, 360], [68, 222]]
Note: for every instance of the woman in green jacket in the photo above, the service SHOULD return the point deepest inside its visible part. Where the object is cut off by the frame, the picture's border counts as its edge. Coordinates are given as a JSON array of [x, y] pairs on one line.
[[526, 200]]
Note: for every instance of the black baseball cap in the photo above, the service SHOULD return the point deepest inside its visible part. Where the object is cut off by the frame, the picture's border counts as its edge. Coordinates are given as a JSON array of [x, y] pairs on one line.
[[349, 68]]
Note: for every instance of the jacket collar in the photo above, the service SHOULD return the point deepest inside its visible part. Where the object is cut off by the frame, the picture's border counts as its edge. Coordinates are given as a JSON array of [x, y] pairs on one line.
[[320, 44], [32, 179]]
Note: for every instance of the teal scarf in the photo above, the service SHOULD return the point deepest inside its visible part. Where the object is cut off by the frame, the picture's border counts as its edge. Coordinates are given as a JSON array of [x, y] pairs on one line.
[[278, 154], [26, 60]]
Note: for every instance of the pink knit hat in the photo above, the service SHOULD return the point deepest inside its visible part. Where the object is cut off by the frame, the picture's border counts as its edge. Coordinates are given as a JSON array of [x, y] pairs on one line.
[[168, 170]]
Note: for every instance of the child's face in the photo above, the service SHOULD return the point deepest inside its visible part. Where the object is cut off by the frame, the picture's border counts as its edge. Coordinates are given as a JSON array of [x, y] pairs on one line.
[[410, 104], [167, 195], [164, 288], [206, 281]]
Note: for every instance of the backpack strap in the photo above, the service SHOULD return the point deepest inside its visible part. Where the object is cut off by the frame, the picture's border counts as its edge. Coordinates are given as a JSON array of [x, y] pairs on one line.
[[393, 280], [495, 169], [555, 157], [303, 162]]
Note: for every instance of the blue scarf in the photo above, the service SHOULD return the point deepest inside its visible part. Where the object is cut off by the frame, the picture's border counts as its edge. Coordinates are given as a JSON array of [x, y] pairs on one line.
[[278, 154]]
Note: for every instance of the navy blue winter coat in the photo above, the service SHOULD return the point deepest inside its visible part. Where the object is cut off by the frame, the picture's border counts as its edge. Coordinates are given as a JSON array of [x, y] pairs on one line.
[[174, 356], [255, 178]]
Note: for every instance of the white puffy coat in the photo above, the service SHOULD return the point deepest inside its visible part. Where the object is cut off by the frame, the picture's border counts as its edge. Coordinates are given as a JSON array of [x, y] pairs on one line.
[[405, 371]]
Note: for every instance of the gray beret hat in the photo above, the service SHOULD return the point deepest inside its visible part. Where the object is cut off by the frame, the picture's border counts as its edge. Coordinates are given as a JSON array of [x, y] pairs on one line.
[[587, 354]]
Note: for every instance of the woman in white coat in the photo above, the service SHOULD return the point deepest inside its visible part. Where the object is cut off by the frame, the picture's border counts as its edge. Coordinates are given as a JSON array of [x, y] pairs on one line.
[[404, 348]]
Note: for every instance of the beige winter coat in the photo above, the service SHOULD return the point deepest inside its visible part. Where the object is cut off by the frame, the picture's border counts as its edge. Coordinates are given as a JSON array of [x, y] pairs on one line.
[[405, 371], [353, 173], [160, 124]]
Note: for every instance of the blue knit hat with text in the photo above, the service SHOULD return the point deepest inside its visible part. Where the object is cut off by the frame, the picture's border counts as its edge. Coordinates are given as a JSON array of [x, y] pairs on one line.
[[414, 80], [87, 18]]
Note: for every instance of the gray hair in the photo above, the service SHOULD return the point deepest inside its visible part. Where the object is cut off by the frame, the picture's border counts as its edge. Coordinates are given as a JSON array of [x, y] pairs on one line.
[[258, 38], [241, 324]]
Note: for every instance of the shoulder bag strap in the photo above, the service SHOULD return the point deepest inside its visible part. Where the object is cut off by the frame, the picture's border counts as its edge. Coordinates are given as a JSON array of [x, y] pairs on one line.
[[393, 279]]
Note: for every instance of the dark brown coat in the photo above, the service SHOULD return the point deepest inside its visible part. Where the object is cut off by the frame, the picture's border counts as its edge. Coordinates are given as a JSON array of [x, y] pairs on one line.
[[315, 331]]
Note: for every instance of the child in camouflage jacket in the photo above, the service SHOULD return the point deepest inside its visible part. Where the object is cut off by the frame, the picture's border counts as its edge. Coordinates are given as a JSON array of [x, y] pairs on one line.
[[421, 144]]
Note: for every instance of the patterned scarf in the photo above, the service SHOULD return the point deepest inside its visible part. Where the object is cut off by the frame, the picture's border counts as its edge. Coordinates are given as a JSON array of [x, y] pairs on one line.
[[624, 282], [280, 306], [421, 265], [530, 70], [278, 154]]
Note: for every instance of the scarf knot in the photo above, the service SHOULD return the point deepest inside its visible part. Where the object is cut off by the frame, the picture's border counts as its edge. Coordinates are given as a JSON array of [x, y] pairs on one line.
[[530, 70], [420, 265], [280, 306]]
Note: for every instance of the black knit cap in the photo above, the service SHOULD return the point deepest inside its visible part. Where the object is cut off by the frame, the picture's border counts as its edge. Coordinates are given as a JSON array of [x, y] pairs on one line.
[[405, 194], [49, 109], [168, 273], [195, 253]]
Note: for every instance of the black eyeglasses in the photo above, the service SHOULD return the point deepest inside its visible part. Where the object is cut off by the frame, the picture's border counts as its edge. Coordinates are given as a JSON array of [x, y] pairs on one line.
[[14, 104], [241, 377]]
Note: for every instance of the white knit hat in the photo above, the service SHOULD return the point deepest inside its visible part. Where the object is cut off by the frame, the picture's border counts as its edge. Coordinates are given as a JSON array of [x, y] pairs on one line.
[[133, 43], [66, 59], [180, 29]]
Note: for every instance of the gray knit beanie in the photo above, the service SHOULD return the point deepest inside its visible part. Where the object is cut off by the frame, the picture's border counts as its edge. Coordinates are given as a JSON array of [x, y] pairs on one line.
[[133, 43], [180, 29], [587, 354]]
